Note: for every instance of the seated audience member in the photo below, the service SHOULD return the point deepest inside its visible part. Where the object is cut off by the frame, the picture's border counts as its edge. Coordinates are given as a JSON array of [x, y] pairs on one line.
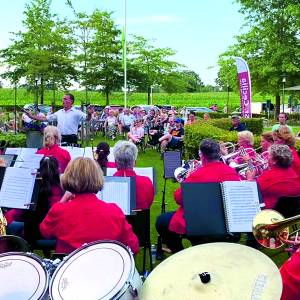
[[110, 125], [206, 117], [156, 130], [125, 156], [290, 274], [173, 139], [236, 124], [280, 179], [80, 217], [102, 153], [127, 120], [282, 118], [171, 225], [191, 118], [284, 136], [51, 147], [136, 132]]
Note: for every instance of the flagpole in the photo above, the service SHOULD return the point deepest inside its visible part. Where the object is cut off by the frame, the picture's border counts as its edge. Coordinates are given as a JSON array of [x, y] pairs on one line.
[[124, 54]]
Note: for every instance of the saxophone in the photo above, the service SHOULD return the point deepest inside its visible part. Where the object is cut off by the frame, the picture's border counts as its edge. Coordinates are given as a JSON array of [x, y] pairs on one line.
[[3, 224]]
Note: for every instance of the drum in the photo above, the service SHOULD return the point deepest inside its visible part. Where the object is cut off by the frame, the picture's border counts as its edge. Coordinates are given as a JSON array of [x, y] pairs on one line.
[[98, 270], [22, 276], [214, 271]]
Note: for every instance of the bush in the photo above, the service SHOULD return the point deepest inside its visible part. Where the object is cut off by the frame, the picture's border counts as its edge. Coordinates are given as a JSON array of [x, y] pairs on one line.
[[195, 133], [13, 140]]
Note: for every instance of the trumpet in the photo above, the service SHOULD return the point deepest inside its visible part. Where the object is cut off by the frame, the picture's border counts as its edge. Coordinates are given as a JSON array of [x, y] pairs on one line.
[[181, 173], [271, 230]]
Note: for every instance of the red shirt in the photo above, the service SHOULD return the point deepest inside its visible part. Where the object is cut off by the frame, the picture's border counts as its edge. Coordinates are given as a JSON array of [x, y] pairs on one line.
[[296, 161], [212, 172], [144, 188], [290, 274], [111, 164], [63, 156], [85, 219], [277, 182]]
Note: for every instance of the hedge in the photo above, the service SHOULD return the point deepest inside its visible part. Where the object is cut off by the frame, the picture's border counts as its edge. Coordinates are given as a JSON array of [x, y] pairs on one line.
[[12, 140]]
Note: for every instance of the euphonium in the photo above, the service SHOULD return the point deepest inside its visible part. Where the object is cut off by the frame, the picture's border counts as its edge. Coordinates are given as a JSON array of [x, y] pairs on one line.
[[271, 230], [181, 173], [3, 224]]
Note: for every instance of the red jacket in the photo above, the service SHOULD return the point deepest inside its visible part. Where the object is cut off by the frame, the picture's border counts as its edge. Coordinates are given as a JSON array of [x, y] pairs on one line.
[[86, 219], [290, 274], [212, 172], [296, 161], [277, 182], [63, 156], [144, 188]]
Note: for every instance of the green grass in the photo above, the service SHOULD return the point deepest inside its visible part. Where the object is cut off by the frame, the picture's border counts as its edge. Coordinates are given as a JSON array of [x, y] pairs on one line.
[[151, 158]]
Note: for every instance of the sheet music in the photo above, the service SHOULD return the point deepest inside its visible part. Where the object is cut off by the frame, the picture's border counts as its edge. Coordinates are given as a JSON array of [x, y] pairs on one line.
[[241, 204], [88, 152], [8, 158], [172, 160], [28, 161], [117, 190], [13, 151], [17, 187], [148, 172], [111, 157], [28, 151], [74, 151]]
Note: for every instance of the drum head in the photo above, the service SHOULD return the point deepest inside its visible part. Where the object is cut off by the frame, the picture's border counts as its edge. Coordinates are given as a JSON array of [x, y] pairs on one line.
[[22, 276], [236, 272], [95, 271]]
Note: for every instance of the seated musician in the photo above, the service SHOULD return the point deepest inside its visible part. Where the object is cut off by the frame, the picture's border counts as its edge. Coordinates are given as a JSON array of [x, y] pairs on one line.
[[136, 132], [171, 225], [173, 139], [280, 179], [125, 156], [80, 217], [266, 140], [290, 274], [51, 147], [284, 136], [102, 153]]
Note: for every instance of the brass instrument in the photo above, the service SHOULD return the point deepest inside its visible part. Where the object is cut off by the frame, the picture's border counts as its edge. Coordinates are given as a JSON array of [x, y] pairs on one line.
[[271, 230], [3, 224], [181, 173]]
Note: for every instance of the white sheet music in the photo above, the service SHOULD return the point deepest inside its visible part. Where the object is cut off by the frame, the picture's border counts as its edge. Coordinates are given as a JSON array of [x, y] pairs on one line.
[[118, 193], [14, 151], [17, 187], [148, 172], [74, 151], [28, 151], [241, 204], [88, 152], [28, 161], [111, 157]]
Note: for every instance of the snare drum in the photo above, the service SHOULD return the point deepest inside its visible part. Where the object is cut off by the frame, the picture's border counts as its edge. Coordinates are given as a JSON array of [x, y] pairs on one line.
[[98, 270], [22, 276]]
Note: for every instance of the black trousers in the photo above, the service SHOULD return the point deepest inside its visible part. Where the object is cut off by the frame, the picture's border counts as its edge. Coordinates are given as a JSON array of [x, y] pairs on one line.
[[69, 139]]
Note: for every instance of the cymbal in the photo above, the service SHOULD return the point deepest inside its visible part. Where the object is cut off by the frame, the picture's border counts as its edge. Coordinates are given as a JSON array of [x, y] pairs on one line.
[[234, 272]]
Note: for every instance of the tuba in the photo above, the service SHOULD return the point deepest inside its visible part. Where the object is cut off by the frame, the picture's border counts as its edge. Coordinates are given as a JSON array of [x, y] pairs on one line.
[[271, 230], [3, 224]]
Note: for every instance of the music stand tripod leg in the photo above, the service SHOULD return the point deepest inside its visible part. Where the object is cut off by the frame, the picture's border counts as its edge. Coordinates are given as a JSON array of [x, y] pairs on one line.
[[163, 201]]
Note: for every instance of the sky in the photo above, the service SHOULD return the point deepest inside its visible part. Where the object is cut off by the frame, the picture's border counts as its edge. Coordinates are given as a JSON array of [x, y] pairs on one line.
[[198, 30]]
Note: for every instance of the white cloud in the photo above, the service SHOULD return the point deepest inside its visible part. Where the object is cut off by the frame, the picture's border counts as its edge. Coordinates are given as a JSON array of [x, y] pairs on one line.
[[151, 20]]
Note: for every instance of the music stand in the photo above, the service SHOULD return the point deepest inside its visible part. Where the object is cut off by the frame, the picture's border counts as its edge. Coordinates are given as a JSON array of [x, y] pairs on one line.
[[172, 160]]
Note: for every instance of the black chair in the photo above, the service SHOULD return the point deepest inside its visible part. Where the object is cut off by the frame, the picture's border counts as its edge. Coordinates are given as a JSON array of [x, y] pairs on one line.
[[140, 223], [141, 144], [13, 243], [288, 206]]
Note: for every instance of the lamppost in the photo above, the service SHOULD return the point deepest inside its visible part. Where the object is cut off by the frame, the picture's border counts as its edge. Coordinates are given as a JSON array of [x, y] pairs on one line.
[[151, 95], [283, 87]]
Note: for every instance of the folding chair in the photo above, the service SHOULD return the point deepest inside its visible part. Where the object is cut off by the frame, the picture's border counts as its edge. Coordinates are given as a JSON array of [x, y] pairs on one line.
[[140, 223]]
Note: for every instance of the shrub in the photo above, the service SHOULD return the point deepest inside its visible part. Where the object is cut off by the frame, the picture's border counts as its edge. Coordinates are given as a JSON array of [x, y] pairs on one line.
[[13, 140]]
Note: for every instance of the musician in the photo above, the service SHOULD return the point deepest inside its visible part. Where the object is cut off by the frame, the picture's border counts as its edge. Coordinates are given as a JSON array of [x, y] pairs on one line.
[[290, 274], [284, 136], [125, 156], [280, 179], [102, 152], [171, 225], [51, 147], [266, 140], [245, 141], [80, 217]]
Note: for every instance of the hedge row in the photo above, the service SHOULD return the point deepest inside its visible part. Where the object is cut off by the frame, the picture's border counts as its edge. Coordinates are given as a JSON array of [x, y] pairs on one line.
[[12, 140]]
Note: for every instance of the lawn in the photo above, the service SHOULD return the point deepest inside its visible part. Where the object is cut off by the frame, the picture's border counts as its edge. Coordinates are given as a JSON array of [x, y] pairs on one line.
[[151, 158]]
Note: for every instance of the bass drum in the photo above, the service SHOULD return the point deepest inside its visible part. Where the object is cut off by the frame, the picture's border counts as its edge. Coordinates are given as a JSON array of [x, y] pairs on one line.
[[98, 270], [23, 276]]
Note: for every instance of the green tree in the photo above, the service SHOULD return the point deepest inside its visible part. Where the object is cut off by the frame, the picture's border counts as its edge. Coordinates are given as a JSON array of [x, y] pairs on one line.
[[42, 51], [153, 63], [270, 46], [195, 83]]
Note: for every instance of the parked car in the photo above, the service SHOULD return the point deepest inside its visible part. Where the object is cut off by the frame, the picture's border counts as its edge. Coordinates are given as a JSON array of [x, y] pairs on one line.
[[146, 107], [198, 109], [45, 109]]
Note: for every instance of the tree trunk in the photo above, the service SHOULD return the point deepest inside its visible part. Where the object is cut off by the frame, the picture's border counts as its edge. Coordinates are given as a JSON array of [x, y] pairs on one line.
[[277, 105], [107, 98], [42, 89], [148, 94]]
